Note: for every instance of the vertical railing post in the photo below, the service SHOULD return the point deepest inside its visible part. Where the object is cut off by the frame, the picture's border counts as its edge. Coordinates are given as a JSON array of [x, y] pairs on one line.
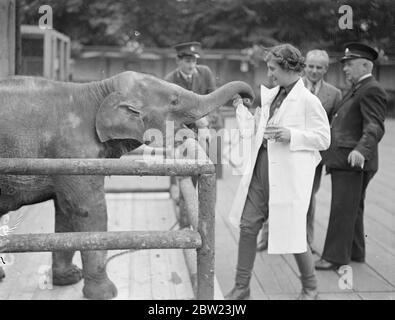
[[206, 228]]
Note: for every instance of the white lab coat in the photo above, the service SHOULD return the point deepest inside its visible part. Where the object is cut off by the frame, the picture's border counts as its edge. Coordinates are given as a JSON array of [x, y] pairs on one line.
[[291, 165]]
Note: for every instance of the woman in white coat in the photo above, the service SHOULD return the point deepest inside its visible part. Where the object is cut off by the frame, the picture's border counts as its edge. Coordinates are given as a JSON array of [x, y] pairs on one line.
[[289, 131]]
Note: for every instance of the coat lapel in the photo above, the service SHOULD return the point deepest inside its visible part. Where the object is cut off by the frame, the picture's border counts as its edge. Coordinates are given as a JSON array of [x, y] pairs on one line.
[[323, 93], [292, 96], [351, 93], [267, 97]]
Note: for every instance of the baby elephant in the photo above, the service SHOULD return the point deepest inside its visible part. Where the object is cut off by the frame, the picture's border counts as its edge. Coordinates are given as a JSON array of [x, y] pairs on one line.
[[47, 119]]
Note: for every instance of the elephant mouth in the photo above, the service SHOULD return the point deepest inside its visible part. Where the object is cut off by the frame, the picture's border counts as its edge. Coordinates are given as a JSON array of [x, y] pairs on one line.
[[117, 147]]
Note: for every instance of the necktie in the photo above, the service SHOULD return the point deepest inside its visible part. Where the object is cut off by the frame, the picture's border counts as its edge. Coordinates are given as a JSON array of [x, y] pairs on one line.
[[189, 82], [277, 101], [313, 87]]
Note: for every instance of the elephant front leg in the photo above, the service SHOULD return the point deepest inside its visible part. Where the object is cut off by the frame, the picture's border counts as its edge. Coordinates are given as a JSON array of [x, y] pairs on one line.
[[64, 272], [85, 197]]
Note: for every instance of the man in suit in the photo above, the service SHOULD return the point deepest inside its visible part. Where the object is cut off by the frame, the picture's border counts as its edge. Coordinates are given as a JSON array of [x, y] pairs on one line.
[[317, 63], [357, 127]]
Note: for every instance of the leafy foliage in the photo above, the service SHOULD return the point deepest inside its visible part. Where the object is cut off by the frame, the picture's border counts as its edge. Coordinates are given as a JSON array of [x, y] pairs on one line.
[[218, 23]]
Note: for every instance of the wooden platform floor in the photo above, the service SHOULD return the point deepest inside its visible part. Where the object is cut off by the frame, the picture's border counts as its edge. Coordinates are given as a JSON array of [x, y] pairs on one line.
[[143, 274], [276, 276], [162, 274]]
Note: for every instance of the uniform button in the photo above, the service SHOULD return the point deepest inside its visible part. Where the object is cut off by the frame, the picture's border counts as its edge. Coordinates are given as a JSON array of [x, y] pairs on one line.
[[335, 115]]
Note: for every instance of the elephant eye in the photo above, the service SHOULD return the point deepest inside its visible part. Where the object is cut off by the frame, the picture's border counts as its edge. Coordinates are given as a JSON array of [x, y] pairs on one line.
[[134, 111], [130, 109], [174, 101]]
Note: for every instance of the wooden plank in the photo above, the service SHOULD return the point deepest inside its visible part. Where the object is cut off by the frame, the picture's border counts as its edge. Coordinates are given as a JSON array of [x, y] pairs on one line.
[[276, 275], [176, 275], [7, 38], [24, 282], [139, 280], [321, 296], [366, 278], [179, 276], [377, 295], [118, 261], [340, 296], [162, 288], [157, 218], [124, 182]]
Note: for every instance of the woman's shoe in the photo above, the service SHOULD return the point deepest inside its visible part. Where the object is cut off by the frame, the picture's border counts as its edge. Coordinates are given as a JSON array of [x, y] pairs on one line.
[[238, 293], [308, 294]]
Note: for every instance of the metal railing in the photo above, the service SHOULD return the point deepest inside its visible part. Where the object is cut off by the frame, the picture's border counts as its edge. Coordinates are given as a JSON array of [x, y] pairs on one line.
[[202, 238]]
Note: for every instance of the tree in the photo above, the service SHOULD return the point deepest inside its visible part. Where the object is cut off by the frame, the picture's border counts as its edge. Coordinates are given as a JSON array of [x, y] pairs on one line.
[[218, 23]]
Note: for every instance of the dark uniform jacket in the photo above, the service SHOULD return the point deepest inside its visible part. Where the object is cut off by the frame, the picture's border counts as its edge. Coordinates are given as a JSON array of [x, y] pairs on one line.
[[358, 123], [203, 82]]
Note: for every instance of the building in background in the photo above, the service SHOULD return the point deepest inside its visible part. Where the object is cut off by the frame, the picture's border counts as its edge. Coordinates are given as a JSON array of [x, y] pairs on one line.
[[99, 62], [45, 53]]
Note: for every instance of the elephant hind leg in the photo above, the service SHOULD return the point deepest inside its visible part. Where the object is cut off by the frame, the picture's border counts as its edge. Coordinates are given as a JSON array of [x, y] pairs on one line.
[[64, 272]]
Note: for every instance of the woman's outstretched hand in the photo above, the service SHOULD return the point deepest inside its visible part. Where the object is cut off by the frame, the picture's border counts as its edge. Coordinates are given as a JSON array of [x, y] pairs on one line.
[[237, 100]]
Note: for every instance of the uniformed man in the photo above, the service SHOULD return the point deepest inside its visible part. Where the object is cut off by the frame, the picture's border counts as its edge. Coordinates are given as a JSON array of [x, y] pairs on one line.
[[357, 127], [197, 78]]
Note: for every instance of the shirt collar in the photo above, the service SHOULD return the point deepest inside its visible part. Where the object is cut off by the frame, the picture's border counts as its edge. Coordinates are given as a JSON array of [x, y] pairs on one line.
[[309, 84], [364, 77], [289, 87], [186, 76]]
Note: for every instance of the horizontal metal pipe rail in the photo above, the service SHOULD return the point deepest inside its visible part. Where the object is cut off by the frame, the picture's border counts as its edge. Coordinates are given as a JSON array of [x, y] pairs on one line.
[[136, 190], [72, 241], [27, 166]]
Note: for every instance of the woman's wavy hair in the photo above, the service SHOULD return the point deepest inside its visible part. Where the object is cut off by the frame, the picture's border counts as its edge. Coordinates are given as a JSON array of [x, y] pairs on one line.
[[287, 57]]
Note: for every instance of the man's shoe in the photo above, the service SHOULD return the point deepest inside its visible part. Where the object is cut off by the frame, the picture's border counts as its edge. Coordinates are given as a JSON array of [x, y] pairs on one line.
[[322, 264], [308, 294], [238, 293], [359, 260]]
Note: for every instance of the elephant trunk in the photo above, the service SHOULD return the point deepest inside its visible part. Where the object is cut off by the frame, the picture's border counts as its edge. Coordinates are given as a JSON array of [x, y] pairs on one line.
[[210, 102]]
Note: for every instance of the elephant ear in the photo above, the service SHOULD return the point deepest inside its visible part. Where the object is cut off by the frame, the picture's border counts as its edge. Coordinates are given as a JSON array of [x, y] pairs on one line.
[[119, 118]]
